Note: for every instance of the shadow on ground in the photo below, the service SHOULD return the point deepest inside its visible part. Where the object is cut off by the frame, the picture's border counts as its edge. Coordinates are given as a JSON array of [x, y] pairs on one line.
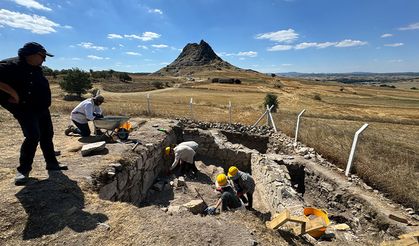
[[53, 204]]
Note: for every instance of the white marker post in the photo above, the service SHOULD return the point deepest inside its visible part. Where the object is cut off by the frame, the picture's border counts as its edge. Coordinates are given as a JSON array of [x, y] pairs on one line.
[[272, 119], [260, 118], [191, 103], [351, 155], [148, 104], [229, 110], [298, 126]]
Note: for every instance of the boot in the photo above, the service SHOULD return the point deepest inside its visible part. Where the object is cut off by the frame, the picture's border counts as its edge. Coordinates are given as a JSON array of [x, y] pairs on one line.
[[69, 130]]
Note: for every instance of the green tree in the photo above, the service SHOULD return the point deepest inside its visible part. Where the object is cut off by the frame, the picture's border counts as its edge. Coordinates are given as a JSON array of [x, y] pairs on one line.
[[271, 99], [124, 77], [76, 82]]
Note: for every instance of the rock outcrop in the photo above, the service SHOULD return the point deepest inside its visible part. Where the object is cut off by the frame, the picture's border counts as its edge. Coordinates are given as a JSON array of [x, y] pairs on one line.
[[196, 57]]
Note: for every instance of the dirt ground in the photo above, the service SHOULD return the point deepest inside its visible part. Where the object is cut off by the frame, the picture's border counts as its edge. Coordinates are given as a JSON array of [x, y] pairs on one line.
[[59, 208]]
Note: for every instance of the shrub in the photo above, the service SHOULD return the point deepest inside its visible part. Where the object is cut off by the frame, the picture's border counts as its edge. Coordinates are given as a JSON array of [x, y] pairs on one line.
[[389, 86], [76, 82], [271, 99], [124, 77], [317, 97], [158, 84], [413, 88]]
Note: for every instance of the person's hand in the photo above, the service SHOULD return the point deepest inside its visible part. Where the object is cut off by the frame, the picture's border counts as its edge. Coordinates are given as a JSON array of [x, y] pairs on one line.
[[210, 210], [97, 116]]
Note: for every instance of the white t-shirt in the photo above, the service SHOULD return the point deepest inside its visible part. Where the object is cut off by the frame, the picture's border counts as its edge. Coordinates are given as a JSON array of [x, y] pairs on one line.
[[84, 111], [184, 153], [192, 144]]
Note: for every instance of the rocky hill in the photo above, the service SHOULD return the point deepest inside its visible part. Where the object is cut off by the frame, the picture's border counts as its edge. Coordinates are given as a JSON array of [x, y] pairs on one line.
[[194, 58]]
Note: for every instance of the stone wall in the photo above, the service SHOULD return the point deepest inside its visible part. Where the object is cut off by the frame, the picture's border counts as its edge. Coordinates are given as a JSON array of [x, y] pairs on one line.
[[214, 145], [130, 180], [274, 183]]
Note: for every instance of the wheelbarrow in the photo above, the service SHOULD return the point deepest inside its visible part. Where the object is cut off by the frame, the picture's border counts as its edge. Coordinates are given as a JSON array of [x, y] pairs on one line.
[[114, 126]]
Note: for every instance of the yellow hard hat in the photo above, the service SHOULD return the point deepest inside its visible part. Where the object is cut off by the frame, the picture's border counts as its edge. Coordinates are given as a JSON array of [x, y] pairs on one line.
[[167, 150], [232, 171], [221, 180]]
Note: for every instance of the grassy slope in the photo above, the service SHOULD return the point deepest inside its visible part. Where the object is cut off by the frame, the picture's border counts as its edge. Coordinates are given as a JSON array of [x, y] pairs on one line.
[[387, 153]]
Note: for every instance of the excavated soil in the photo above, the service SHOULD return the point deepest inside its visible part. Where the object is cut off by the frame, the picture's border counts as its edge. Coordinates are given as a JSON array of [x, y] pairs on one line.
[[60, 208], [63, 208]]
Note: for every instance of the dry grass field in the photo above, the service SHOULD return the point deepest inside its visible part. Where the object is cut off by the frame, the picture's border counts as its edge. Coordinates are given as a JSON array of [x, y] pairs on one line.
[[387, 156]]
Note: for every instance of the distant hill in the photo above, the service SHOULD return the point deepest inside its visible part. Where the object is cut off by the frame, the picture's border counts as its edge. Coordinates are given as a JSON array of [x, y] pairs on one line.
[[356, 77], [197, 58]]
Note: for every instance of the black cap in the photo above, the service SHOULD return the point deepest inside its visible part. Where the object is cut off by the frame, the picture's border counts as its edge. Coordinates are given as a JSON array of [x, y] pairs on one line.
[[32, 48], [99, 98]]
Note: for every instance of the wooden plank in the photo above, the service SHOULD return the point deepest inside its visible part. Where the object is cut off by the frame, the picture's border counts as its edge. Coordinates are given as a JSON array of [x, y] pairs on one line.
[[311, 225], [398, 218], [410, 234], [278, 220], [299, 219]]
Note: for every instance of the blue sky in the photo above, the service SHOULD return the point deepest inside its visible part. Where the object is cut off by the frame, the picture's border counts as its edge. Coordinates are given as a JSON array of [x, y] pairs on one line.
[[264, 35]]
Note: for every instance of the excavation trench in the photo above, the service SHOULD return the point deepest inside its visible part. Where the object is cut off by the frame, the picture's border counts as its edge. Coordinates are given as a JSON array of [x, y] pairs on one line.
[[283, 181]]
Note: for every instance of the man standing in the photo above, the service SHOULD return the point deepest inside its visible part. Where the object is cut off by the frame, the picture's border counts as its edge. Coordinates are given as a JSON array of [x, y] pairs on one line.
[[25, 92], [87, 110]]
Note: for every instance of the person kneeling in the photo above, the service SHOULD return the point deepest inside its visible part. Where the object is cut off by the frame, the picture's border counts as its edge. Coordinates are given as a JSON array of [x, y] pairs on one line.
[[88, 110], [228, 200]]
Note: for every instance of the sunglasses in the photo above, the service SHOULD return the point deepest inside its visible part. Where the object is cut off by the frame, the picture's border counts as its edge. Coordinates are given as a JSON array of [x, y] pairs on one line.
[[42, 55]]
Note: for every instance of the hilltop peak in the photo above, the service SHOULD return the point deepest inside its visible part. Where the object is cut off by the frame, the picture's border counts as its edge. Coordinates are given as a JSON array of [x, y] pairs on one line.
[[195, 57]]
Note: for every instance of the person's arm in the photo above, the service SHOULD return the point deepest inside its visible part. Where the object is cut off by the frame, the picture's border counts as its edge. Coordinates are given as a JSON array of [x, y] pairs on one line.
[[98, 112], [212, 210], [176, 161], [14, 97], [88, 111], [218, 203]]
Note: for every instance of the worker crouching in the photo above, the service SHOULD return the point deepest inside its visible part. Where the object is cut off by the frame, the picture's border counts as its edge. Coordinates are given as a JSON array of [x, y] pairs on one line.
[[228, 201], [88, 110], [244, 185], [184, 162]]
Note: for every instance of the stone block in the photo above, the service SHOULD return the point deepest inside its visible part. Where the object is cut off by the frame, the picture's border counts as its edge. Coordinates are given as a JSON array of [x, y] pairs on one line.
[[148, 180], [117, 166], [89, 149], [122, 180], [108, 191], [159, 186], [195, 206]]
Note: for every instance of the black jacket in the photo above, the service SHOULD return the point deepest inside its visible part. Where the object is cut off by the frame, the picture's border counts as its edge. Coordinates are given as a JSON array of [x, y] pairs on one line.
[[28, 81]]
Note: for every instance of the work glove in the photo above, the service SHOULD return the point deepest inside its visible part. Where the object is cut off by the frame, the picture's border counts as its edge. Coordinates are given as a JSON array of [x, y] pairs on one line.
[[98, 116], [210, 210]]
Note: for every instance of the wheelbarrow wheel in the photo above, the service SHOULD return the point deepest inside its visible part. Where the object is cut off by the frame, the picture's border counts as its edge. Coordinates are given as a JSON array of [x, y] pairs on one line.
[[122, 133]]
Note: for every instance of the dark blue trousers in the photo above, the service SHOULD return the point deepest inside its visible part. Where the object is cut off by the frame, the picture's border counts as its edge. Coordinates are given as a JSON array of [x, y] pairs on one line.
[[82, 129]]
